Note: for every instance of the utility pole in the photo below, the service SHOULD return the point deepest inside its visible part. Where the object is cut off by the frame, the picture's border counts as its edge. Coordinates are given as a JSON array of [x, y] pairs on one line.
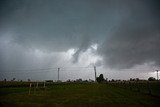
[[95, 73], [157, 74], [58, 73]]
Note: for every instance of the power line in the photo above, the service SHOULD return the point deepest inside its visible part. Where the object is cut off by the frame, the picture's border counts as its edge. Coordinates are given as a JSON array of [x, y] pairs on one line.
[[44, 69]]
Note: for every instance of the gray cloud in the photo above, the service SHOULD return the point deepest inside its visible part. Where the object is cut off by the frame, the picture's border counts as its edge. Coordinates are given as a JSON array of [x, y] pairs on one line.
[[127, 32], [135, 40]]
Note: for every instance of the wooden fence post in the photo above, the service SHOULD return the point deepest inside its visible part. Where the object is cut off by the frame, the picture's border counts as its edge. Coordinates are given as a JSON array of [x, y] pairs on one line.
[[37, 85], [34, 88], [30, 88], [44, 85]]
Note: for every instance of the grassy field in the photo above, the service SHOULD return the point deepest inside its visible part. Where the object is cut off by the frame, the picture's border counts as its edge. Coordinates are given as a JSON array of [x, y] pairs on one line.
[[146, 87], [76, 95]]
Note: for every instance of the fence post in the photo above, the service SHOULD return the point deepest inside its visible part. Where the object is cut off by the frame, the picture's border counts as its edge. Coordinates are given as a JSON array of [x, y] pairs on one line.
[[44, 85], [34, 87], [30, 88], [37, 85]]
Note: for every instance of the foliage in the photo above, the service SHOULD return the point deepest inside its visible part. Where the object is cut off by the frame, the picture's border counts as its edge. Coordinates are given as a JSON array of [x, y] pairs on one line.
[[100, 78], [151, 79]]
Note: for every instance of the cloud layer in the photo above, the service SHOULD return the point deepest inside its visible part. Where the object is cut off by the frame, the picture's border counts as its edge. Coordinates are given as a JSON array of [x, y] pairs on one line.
[[39, 34], [135, 40]]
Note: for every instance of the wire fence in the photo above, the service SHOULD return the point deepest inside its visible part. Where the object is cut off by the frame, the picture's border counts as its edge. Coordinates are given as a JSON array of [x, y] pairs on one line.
[[146, 87]]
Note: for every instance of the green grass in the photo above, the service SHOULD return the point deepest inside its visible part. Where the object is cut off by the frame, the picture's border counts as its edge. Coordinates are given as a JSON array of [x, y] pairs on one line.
[[76, 95], [141, 86]]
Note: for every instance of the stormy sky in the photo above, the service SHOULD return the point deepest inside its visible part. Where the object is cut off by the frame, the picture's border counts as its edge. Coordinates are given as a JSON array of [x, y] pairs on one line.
[[119, 37]]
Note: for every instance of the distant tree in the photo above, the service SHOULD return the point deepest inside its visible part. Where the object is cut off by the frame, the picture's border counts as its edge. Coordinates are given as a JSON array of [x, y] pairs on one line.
[[137, 79], [49, 80], [90, 80], [118, 80], [13, 79], [68, 80], [100, 78], [5, 80], [59, 81], [131, 79], [106, 79], [85, 81], [79, 80], [151, 79], [112, 80], [134, 79], [29, 80]]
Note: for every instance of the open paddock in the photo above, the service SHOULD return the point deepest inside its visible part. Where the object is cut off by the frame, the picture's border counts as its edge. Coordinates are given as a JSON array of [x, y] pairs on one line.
[[75, 94]]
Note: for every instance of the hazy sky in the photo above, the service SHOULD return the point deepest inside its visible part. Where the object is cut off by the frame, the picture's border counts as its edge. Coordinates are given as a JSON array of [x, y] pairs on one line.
[[120, 37]]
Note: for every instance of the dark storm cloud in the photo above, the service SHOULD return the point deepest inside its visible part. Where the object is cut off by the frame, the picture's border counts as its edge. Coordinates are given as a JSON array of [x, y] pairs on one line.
[[126, 31], [57, 25], [49, 25], [135, 40]]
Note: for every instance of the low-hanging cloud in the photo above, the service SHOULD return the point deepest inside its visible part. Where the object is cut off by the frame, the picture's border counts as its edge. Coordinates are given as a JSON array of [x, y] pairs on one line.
[[36, 33], [135, 40]]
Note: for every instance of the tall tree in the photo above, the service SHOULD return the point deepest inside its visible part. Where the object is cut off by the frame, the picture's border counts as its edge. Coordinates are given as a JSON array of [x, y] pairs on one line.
[[100, 78]]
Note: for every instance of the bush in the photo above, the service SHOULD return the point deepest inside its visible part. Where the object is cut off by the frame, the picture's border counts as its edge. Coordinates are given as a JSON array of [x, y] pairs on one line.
[[100, 78], [151, 79]]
